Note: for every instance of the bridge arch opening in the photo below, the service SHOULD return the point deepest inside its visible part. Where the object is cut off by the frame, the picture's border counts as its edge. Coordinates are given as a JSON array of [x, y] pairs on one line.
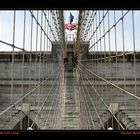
[[26, 122]]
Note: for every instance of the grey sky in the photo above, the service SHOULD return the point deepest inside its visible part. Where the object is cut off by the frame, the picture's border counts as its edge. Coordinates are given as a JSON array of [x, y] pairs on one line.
[[6, 30]]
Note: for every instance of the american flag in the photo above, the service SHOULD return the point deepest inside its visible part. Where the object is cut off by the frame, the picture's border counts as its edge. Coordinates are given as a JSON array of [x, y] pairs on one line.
[[70, 26], [71, 18]]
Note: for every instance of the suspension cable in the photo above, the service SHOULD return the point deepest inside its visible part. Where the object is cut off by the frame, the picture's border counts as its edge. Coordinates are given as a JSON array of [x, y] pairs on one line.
[[44, 102], [104, 103], [93, 103], [54, 97], [27, 94], [111, 83]]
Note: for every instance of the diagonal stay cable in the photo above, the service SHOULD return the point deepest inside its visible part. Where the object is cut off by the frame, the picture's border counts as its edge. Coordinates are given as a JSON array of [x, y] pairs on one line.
[[109, 30], [111, 83], [87, 101], [93, 103], [87, 108], [44, 102], [40, 26], [27, 94], [55, 103], [13, 46], [111, 56], [104, 103], [53, 100]]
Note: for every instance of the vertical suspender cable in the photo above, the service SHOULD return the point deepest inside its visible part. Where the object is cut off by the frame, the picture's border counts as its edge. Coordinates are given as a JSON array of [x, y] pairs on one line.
[[22, 68], [135, 78], [12, 68]]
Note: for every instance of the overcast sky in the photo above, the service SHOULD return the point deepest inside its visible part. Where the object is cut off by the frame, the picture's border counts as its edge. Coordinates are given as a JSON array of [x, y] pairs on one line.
[[6, 30]]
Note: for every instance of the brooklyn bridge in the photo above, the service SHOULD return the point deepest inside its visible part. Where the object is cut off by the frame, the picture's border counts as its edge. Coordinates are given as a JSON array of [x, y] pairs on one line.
[[53, 78]]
